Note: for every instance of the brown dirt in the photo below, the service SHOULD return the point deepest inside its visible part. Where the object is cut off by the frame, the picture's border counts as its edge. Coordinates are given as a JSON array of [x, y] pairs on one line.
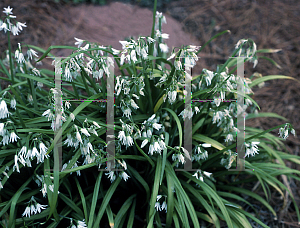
[[271, 24]]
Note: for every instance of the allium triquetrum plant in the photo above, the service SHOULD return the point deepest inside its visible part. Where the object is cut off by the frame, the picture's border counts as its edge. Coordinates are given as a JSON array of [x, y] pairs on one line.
[[146, 190]]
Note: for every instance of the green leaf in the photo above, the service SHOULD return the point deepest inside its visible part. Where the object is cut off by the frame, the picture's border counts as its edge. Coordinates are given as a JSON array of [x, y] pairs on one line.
[[94, 200], [205, 139], [270, 77], [154, 192], [178, 124], [123, 210], [106, 200], [164, 157]]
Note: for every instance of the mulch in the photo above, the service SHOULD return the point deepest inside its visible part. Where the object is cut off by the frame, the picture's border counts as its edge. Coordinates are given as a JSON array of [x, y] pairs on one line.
[[271, 24]]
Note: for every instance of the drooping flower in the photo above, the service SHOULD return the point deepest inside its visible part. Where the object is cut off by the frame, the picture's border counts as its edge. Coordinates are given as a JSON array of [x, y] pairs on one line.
[[125, 176], [13, 137], [3, 110], [26, 212], [79, 42], [13, 103], [164, 48]]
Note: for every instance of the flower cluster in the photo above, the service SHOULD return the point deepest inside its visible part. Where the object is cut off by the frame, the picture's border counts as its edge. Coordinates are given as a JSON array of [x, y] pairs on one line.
[[284, 131], [7, 24], [33, 208], [122, 174], [158, 205], [199, 152], [156, 142], [25, 155], [79, 224], [251, 149], [229, 158], [199, 174]]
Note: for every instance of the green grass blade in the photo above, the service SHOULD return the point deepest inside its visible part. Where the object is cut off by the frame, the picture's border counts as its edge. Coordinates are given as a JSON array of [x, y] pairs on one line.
[[106, 200], [155, 188], [82, 200], [123, 210], [131, 215], [270, 77], [178, 124], [94, 200]]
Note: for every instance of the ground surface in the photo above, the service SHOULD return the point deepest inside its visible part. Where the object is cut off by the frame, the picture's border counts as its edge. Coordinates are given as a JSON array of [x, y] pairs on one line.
[[271, 24]]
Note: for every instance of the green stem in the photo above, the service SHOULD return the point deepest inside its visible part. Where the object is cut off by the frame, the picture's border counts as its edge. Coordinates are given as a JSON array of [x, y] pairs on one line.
[[10, 59], [153, 25]]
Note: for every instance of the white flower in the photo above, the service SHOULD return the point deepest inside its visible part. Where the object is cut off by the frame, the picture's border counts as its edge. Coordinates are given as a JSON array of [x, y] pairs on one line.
[[133, 104], [124, 176], [5, 139], [157, 147], [3, 110], [229, 137], [31, 52], [164, 48], [115, 51], [39, 207], [181, 158], [43, 150], [293, 132], [23, 151], [165, 36], [1, 129], [16, 165], [47, 113], [207, 174], [171, 56], [129, 141], [144, 53], [164, 206], [186, 113], [111, 175], [122, 137], [150, 40], [217, 101], [4, 26], [44, 190], [151, 149], [251, 149], [7, 10], [197, 109], [144, 143], [14, 30], [79, 42], [81, 224], [13, 137], [19, 26], [35, 152], [78, 137], [157, 206], [122, 59], [127, 112], [157, 126], [149, 133], [26, 212], [72, 116], [133, 56], [13, 103], [126, 44], [84, 131]]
